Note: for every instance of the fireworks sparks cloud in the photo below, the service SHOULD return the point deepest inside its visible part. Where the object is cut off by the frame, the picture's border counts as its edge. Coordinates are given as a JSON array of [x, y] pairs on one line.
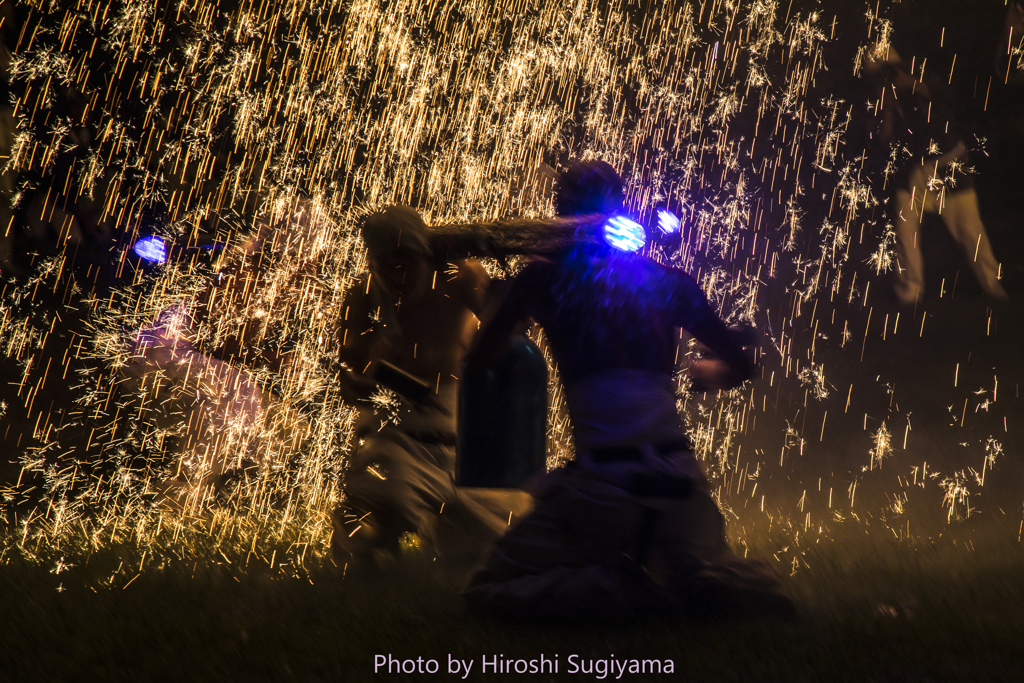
[[271, 128]]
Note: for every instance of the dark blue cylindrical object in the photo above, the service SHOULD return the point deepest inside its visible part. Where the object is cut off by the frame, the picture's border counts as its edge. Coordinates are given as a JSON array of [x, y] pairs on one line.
[[503, 419]]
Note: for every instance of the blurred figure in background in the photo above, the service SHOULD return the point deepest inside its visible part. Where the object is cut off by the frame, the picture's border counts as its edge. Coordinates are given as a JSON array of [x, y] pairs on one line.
[[915, 114], [195, 367], [208, 408]]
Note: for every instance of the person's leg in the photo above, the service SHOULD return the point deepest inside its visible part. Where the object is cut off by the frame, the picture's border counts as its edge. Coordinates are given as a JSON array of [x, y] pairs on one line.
[[963, 219], [569, 559], [909, 260], [473, 518], [384, 498], [688, 535], [690, 556]]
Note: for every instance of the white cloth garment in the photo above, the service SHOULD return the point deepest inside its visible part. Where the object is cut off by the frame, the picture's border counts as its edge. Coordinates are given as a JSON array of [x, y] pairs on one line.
[[208, 408], [401, 479]]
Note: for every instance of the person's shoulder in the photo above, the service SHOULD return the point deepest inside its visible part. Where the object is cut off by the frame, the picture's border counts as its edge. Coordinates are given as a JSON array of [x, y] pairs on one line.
[[672, 277], [466, 280], [462, 275], [665, 270], [470, 271]]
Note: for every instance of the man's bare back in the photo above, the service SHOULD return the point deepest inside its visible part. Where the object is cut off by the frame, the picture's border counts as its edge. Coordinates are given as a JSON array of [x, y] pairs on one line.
[[432, 321]]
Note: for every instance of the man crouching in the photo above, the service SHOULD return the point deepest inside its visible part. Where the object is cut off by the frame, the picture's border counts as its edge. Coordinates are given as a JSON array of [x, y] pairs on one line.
[[629, 528], [410, 314]]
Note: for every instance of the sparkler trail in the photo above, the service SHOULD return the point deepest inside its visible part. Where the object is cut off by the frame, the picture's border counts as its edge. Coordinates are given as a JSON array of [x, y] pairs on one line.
[[272, 127]]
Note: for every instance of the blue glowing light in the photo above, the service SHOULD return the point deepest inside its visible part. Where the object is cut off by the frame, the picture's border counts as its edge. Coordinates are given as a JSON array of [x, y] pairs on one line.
[[624, 234], [151, 249], [668, 222]]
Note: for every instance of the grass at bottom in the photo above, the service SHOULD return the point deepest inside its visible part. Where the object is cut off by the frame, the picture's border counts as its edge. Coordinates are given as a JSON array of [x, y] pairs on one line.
[[873, 609]]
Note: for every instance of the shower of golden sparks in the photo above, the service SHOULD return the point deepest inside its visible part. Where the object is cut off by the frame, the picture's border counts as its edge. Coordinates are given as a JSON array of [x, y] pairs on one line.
[[271, 127]]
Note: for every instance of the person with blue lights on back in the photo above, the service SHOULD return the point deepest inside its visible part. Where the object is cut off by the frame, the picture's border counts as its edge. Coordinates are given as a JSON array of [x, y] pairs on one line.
[[629, 528]]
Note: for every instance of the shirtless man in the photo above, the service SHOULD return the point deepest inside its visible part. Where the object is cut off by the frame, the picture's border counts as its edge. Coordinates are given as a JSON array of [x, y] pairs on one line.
[[630, 527], [420, 316]]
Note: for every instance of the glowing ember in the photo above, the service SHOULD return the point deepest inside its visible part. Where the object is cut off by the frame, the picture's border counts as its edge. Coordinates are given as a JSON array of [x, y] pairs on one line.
[[668, 222]]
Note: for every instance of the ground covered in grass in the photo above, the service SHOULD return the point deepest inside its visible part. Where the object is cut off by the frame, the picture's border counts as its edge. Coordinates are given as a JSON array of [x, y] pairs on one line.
[[873, 608]]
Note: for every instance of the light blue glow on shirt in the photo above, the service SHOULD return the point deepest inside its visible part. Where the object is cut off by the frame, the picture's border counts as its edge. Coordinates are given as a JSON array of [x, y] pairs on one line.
[[624, 234], [668, 222]]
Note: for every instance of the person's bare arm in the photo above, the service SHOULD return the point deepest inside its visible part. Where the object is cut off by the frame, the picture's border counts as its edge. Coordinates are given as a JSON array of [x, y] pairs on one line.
[[710, 374], [731, 366], [473, 285]]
